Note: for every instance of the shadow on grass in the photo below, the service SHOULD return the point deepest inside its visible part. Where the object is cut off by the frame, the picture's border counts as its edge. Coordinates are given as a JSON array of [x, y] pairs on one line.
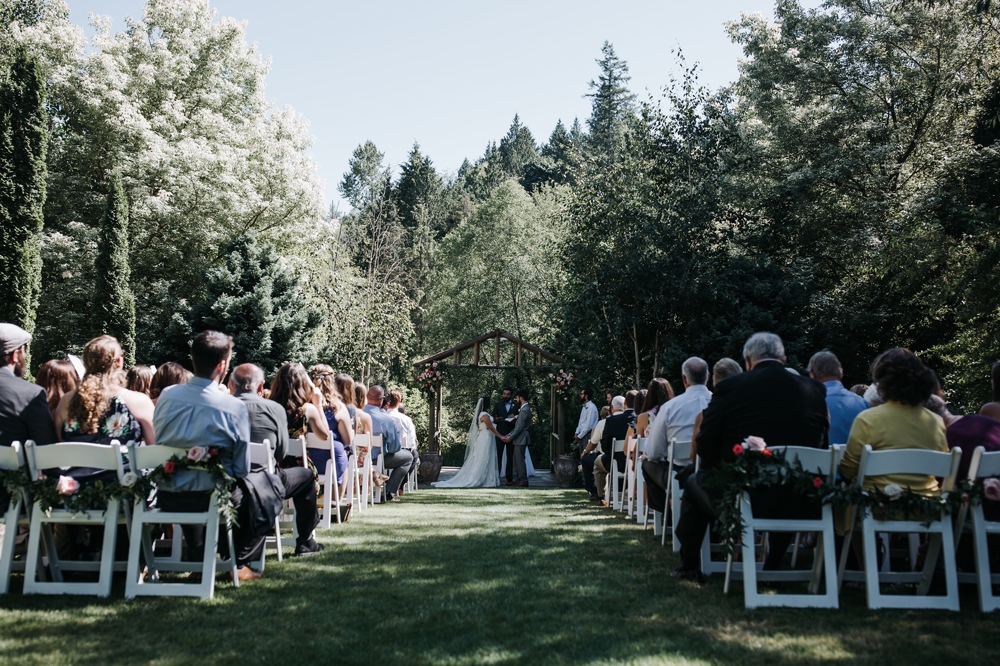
[[469, 577]]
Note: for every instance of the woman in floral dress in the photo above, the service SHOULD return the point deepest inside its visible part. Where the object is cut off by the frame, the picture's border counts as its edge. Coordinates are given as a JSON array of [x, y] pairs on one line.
[[101, 410]]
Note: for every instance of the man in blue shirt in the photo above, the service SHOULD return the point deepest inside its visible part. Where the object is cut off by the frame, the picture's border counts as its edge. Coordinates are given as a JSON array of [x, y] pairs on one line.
[[396, 458], [842, 404], [202, 413]]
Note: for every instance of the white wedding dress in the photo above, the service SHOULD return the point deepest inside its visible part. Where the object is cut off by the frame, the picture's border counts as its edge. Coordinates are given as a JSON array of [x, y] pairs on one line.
[[480, 469]]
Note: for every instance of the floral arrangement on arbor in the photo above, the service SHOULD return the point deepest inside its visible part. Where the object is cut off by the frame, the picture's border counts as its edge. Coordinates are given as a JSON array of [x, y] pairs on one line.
[[757, 466], [431, 376], [67, 493], [565, 384]]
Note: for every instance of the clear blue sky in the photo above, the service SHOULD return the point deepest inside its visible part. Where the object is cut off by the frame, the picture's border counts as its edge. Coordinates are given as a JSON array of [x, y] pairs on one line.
[[452, 74]]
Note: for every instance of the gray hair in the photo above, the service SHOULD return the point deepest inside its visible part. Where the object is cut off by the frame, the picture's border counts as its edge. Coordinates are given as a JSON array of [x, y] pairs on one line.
[[936, 404], [825, 364], [725, 367], [618, 403], [695, 370], [246, 378], [873, 396], [762, 346]]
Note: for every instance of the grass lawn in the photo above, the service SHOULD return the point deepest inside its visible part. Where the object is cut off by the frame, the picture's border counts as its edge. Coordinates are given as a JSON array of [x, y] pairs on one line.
[[473, 577]]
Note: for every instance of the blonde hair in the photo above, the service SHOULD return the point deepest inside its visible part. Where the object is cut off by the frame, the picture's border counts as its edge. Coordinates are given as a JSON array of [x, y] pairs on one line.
[[99, 385], [325, 380]]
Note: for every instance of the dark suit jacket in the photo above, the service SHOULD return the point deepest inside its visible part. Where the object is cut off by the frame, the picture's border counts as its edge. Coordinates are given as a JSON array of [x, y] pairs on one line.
[[24, 412], [267, 421], [500, 412], [616, 427], [769, 402]]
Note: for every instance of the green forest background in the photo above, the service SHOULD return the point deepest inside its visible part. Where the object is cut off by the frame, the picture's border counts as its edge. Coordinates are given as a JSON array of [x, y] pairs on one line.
[[843, 192]]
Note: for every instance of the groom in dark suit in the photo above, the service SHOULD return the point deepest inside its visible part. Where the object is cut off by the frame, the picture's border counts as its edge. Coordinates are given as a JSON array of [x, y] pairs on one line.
[[502, 410]]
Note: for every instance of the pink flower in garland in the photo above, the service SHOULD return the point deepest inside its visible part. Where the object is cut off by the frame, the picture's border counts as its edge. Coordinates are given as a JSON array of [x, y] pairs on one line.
[[738, 449], [67, 485], [817, 482], [991, 488]]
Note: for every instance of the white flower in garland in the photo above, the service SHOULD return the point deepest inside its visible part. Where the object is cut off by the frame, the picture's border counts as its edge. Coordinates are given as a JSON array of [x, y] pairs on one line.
[[892, 491]]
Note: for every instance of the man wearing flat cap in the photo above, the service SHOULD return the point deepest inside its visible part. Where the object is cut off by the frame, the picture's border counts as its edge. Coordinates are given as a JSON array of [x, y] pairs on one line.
[[24, 409]]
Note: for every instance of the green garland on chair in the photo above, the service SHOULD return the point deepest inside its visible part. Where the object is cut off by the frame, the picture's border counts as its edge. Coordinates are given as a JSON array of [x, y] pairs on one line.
[[756, 469]]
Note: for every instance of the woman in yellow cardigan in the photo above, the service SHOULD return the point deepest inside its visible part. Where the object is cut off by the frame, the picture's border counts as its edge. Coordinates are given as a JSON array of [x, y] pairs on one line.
[[904, 382]]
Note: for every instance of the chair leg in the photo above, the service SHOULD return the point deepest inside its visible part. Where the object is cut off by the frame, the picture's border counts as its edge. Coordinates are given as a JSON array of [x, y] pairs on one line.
[[933, 551], [108, 548], [7, 549], [55, 565]]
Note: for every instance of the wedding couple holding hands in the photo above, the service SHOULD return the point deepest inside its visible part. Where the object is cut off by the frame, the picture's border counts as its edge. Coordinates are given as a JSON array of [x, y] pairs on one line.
[[488, 441]]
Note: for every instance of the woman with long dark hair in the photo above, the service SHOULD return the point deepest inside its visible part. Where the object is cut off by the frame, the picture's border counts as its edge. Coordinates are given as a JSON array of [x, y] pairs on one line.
[[57, 378], [168, 375]]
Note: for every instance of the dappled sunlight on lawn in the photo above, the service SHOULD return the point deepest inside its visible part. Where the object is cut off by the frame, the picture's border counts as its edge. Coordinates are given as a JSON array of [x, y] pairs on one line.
[[476, 577]]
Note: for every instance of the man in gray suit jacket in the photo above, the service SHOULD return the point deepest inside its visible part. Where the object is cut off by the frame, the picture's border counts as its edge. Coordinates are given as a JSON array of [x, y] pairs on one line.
[[521, 438]]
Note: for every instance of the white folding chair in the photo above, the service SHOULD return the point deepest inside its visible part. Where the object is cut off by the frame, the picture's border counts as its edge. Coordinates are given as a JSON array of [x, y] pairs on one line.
[[296, 448], [822, 463], [680, 455], [361, 470], [377, 495], [906, 461], [262, 455], [72, 454], [12, 459], [612, 496], [144, 458], [636, 483], [327, 480], [984, 466]]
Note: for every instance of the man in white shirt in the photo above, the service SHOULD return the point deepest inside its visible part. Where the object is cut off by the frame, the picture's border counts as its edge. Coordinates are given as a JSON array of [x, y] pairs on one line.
[[674, 421], [404, 426], [589, 456], [588, 418]]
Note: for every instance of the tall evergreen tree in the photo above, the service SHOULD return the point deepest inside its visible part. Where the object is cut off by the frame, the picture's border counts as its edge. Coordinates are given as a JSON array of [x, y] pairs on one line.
[[114, 303], [257, 301], [23, 147], [517, 149], [612, 104], [419, 185]]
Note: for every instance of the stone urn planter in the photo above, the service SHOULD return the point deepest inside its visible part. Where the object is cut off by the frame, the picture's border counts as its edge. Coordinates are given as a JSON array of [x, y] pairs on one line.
[[566, 470], [430, 467]]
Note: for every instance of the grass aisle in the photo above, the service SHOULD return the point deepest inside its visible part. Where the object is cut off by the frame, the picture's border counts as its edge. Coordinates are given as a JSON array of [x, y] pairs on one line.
[[472, 577]]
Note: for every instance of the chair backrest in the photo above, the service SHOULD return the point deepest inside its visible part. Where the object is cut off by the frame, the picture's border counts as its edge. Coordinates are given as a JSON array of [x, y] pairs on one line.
[[148, 457], [314, 442], [680, 450], [618, 446], [296, 447], [819, 461], [362, 439], [74, 454], [984, 465], [262, 455], [910, 461], [12, 457], [640, 445]]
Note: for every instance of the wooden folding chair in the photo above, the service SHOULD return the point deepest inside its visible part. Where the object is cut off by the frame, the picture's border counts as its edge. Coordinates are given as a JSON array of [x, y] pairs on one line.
[[822, 463], [72, 454], [17, 513], [906, 461], [984, 466], [144, 458]]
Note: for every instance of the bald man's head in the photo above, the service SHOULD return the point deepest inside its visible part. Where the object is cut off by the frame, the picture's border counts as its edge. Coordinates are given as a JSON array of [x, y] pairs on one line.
[[375, 395], [246, 378]]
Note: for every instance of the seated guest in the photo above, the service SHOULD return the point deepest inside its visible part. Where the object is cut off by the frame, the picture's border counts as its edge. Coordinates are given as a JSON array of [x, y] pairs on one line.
[[844, 405], [268, 422], [303, 404], [57, 378], [992, 409], [197, 413], [101, 409], [616, 427], [902, 422], [168, 374], [140, 378], [784, 409], [859, 389], [657, 394], [969, 432], [338, 418], [723, 368], [674, 421], [345, 387], [396, 458], [363, 422], [394, 408], [589, 456]]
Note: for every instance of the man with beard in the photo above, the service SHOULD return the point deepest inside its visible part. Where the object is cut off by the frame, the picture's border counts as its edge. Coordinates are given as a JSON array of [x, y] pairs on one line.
[[24, 408]]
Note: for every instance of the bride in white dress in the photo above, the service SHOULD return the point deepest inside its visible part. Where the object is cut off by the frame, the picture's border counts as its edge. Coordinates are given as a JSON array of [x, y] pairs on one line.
[[480, 469]]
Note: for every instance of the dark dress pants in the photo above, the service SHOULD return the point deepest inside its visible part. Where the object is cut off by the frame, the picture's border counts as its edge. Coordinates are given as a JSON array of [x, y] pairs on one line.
[[657, 476], [248, 547], [509, 448], [587, 464], [300, 487], [399, 463]]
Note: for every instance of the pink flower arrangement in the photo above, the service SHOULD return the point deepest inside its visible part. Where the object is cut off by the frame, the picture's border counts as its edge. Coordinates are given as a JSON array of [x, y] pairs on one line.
[[67, 485], [755, 443], [991, 488]]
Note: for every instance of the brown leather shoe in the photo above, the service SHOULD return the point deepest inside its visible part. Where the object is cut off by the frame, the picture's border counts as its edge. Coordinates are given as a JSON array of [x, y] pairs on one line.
[[520, 484], [245, 573]]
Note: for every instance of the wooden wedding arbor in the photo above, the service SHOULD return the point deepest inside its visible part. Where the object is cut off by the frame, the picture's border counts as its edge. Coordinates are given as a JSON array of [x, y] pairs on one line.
[[486, 353]]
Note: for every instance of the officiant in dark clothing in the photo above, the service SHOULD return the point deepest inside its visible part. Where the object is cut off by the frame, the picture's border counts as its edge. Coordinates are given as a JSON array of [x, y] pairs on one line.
[[505, 408]]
